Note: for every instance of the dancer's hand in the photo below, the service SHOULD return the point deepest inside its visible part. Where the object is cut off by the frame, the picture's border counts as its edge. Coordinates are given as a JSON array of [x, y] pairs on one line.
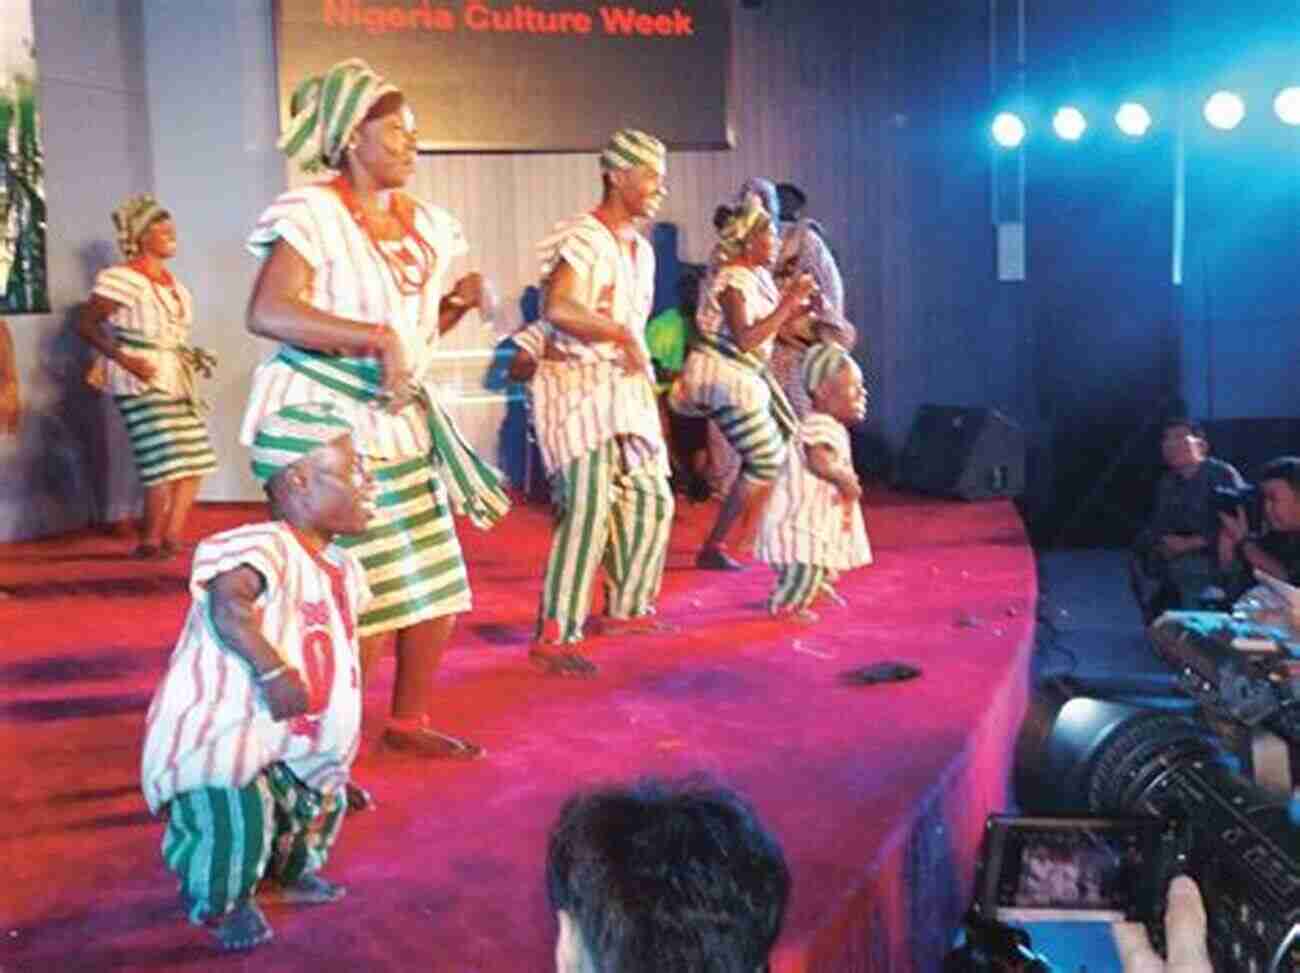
[[141, 368], [800, 290], [849, 486], [286, 695], [471, 290], [1185, 934], [632, 356], [397, 392]]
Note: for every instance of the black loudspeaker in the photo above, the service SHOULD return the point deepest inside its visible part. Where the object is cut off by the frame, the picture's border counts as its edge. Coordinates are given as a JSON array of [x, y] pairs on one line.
[[974, 454]]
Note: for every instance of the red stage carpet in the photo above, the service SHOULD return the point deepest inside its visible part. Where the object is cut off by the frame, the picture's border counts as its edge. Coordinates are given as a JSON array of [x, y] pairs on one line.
[[877, 793]]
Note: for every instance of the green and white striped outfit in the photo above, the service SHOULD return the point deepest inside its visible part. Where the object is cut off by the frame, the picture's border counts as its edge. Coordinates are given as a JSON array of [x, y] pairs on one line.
[[733, 387], [221, 842], [809, 529], [600, 437], [168, 437], [424, 468]]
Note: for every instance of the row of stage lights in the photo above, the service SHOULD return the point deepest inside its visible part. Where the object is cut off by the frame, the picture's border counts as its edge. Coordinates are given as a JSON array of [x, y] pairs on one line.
[[1223, 110]]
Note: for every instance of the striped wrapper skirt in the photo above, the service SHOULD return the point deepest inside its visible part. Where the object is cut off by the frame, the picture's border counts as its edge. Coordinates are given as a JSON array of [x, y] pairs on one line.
[[168, 438], [413, 561]]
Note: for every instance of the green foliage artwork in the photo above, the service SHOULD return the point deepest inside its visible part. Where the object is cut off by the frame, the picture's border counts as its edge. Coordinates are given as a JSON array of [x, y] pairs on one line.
[[23, 284]]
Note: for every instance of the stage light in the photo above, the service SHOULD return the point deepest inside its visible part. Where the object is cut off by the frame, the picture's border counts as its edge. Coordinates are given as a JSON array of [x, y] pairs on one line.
[[1008, 130], [1132, 119], [1069, 123], [1287, 105], [1224, 110]]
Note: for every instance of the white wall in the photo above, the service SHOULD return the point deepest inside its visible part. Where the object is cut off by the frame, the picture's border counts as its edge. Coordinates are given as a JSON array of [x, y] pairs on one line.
[[96, 135]]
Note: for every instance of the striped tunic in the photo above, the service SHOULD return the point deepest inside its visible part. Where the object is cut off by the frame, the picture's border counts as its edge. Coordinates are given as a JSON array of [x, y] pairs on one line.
[[807, 521], [155, 314], [712, 381], [587, 399], [351, 279], [208, 724]]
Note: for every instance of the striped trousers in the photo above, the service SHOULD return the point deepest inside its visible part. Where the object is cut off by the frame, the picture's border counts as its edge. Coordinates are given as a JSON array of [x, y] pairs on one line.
[[797, 587], [610, 516], [220, 841]]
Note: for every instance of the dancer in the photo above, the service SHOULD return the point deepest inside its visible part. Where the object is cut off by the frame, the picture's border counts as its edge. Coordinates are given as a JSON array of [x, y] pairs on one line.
[[726, 376], [353, 285], [151, 368], [813, 525], [251, 733], [595, 413]]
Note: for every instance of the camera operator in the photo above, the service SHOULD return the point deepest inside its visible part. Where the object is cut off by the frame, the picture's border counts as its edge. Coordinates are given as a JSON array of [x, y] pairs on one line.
[[1185, 932], [1175, 555], [1276, 550]]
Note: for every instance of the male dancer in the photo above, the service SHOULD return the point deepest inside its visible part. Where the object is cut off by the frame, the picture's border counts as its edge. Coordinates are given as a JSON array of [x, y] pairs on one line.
[[595, 413]]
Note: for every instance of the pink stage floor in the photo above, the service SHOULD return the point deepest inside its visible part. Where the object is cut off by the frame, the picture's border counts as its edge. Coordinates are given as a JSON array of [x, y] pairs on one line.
[[878, 794]]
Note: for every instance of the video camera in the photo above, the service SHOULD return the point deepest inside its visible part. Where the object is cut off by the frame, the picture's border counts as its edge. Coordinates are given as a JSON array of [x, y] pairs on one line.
[[1130, 796]]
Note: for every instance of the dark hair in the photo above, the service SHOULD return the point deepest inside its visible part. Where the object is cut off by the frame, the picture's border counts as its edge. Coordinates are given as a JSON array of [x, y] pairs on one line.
[[792, 200], [721, 215], [385, 105], [1285, 468], [688, 287], [1176, 422], [668, 878]]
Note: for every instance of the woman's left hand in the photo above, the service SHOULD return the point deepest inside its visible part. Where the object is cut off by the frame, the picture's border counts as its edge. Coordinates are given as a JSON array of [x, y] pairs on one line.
[[470, 290]]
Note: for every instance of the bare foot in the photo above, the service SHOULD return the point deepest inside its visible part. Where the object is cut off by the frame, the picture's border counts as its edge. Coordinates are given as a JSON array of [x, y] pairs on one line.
[[245, 928], [309, 889], [561, 663], [423, 740]]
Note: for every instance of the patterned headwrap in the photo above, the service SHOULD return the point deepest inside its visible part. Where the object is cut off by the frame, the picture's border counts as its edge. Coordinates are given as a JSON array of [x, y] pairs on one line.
[[736, 227], [820, 362], [282, 438], [628, 148], [325, 110], [132, 218], [763, 190]]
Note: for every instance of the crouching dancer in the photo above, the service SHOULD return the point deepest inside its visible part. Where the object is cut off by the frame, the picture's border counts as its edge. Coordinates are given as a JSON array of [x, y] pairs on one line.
[[251, 733]]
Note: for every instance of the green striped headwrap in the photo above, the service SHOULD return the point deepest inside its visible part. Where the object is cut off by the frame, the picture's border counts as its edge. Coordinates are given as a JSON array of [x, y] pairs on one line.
[[284, 437], [132, 218], [628, 148], [325, 110], [820, 362], [746, 217]]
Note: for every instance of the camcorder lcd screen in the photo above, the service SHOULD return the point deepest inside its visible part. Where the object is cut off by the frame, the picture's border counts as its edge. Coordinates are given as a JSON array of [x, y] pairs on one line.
[[1072, 869]]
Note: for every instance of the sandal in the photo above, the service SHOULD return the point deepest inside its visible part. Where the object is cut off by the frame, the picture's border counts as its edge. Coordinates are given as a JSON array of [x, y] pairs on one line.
[[568, 664], [243, 929], [421, 739]]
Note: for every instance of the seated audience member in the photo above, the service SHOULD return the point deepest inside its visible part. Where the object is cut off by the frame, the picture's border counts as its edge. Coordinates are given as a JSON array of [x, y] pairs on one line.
[[663, 878], [1175, 556], [1276, 550], [1186, 934]]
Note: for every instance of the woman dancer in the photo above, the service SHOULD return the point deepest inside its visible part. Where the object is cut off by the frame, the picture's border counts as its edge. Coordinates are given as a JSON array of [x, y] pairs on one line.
[[353, 284], [726, 376], [150, 368]]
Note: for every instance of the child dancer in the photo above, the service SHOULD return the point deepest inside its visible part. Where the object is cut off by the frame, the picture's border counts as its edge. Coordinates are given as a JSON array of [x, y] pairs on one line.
[[813, 526]]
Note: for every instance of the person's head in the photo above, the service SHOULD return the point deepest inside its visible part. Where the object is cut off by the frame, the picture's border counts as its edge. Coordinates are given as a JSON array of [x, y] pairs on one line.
[[1183, 445], [660, 876], [144, 229], [1279, 483], [746, 233], [834, 383], [351, 119], [634, 172], [313, 476], [792, 201], [764, 192]]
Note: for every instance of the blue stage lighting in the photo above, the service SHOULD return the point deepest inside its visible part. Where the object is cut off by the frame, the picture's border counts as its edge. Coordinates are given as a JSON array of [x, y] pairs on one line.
[[1069, 123], [1008, 129], [1287, 105], [1132, 119], [1224, 110]]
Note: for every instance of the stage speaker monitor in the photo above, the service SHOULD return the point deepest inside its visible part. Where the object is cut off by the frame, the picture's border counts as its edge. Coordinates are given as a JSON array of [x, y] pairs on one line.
[[971, 453]]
